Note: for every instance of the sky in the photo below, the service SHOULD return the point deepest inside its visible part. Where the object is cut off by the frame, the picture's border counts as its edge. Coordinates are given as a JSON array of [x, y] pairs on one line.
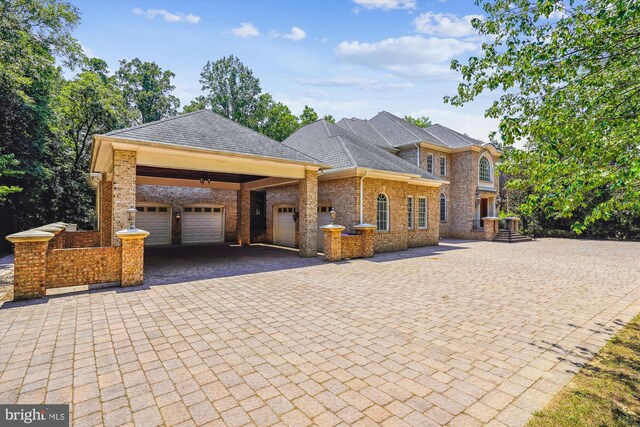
[[347, 58]]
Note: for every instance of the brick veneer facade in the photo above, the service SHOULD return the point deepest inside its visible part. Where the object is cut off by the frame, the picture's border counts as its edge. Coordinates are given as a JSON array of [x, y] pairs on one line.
[[243, 227], [308, 214], [124, 190], [179, 197], [83, 266], [29, 278], [81, 239], [105, 200]]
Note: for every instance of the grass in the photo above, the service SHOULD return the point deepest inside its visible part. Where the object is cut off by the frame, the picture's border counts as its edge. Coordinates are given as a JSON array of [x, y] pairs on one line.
[[606, 392]]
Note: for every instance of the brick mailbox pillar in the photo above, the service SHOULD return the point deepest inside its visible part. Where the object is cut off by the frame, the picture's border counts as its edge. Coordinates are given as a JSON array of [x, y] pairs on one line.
[[30, 263], [366, 231], [132, 256], [491, 227], [332, 242]]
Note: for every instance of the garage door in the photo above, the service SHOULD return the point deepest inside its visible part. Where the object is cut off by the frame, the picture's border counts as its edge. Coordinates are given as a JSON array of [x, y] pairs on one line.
[[284, 227], [324, 218], [202, 224], [157, 221]]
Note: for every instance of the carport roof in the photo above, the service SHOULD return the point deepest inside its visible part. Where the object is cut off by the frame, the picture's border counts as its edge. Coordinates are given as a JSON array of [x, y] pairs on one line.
[[210, 131]]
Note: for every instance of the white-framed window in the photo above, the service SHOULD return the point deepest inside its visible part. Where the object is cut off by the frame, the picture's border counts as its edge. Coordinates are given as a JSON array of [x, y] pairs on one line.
[[443, 208], [443, 166], [430, 163], [410, 212], [382, 212], [484, 170], [422, 212]]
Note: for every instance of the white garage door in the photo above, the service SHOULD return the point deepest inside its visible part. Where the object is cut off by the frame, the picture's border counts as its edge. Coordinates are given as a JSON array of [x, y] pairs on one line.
[[202, 224], [324, 218], [284, 227], [157, 221]]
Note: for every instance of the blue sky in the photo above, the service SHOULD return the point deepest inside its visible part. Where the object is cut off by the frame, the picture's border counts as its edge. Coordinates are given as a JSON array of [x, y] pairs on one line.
[[349, 58]]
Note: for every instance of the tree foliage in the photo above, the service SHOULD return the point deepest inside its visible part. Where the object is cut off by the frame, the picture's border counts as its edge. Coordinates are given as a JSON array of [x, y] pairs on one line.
[[231, 89], [274, 119], [147, 89], [568, 72], [308, 115], [422, 121]]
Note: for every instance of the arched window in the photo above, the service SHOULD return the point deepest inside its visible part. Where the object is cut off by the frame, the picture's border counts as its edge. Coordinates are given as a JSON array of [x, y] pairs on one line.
[[443, 208], [382, 212], [485, 170]]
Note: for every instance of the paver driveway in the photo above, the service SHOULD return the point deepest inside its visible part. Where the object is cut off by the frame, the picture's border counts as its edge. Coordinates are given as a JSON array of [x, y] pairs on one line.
[[466, 333]]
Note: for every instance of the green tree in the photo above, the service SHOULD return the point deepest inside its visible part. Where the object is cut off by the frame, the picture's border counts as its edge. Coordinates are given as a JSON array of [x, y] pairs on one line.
[[32, 35], [308, 115], [147, 89], [329, 118], [8, 167], [200, 103], [231, 89], [422, 122], [274, 119], [568, 72]]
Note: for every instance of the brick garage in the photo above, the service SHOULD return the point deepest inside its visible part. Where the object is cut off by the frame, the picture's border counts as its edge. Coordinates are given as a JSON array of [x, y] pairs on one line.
[[179, 197]]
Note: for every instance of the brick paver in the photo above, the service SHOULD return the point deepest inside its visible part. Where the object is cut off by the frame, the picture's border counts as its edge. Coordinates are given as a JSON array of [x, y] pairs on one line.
[[467, 333]]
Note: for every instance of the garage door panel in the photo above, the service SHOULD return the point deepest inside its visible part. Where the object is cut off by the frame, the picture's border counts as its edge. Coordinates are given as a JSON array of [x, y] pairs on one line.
[[284, 232], [202, 225], [324, 218], [155, 220]]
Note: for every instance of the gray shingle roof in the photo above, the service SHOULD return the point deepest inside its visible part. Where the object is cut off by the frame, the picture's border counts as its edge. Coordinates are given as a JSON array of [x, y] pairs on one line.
[[210, 131], [343, 149], [363, 129]]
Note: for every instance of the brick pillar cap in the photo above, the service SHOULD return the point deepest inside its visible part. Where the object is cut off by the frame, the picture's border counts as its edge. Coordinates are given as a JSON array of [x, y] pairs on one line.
[[60, 224], [49, 229], [513, 218], [365, 227], [30, 236], [490, 218], [132, 233], [332, 227]]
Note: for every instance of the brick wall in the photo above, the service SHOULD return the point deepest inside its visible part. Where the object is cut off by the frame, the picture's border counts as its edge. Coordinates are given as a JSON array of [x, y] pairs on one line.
[[396, 239], [105, 202], [124, 190], [341, 194], [178, 197], [430, 235], [82, 266], [81, 239]]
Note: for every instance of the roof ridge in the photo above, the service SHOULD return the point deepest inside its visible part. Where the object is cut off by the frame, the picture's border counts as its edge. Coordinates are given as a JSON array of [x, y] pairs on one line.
[[166, 119], [394, 117], [346, 150], [459, 134], [376, 131]]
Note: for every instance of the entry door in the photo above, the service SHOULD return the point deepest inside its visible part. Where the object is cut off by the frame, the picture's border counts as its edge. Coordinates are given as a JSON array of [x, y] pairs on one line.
[[157, 221], [284, 227], [484, 210], [202, 224], [324, 218]]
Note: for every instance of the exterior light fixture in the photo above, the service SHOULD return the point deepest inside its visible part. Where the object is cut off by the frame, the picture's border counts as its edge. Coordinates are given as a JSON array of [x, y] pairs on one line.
[[131, 213], [332, 215], [295, 216], [478, 196], [178, 216]]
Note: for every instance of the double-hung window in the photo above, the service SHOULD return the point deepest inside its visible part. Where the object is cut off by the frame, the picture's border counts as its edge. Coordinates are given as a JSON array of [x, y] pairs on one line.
[[410, 212], [422, 212], [443, 166], [443, 208], [430, 163], [382, 212]]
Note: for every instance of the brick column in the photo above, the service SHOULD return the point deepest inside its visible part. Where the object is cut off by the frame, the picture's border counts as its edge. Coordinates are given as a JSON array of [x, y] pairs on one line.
[[308, 214], [243, 217], [124, 190], [491, 225], [332, 242], [106, 211], [58, 236], [366, 231], [132, 256], [514, 223], [30, 263]]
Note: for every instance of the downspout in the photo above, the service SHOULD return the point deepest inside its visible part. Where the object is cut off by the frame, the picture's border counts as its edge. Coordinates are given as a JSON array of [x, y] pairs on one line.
[[362, 197], [417, 154]]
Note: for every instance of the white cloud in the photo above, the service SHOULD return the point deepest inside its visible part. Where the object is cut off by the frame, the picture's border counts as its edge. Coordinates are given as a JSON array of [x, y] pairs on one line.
[[168, 16], [408, 56], [87, 51], [386, 4], [357, 82], [445, 24], [296, 34], [246, 29], [474, 125]]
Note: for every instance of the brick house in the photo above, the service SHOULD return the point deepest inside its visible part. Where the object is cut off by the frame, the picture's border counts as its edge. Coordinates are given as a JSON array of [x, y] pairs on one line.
[[467, 164]]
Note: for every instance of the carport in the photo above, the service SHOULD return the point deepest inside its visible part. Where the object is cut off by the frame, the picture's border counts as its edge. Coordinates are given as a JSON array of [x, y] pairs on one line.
[[205, 150]]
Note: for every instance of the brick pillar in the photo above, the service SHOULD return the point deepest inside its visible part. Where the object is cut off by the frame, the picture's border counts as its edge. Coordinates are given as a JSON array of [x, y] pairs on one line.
[[491, 225], [243, 217], [332, 242], [124, 190], [58, 235], [106, 211], [30, 263], [308, 214], [513, 223], [366, 231], [132, 256]]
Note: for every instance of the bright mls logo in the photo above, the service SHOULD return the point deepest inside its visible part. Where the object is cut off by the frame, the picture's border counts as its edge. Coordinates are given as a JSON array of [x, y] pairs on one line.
[[34, 415]]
